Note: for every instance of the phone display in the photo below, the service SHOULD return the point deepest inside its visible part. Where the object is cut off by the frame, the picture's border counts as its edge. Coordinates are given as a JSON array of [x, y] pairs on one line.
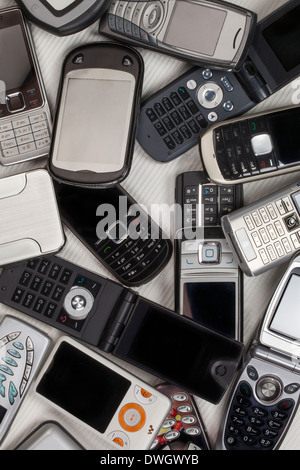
[[95, 146], [265, 233], [266, 395], [49, 436], [216, 34], [247, 149], [25, 121], [208, 281], [130, 244]]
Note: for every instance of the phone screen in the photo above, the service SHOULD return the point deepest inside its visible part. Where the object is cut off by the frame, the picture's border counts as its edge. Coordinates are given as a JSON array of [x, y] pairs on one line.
[[166, 344], [286, 320], [212, 304], [283, 36], [285, 127], [199, 36], [94, 120]]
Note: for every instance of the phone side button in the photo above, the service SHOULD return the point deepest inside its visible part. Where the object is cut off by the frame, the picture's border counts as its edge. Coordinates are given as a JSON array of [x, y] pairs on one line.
[[245, 244]]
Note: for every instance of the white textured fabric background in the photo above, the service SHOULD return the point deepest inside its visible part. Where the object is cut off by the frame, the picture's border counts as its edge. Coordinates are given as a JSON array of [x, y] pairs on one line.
[[149, 182]]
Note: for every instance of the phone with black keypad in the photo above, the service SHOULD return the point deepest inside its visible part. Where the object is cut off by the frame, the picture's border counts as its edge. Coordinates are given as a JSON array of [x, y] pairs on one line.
[[116, 230]]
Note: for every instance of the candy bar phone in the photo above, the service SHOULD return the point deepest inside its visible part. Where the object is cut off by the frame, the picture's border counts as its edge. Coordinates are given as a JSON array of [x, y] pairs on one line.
[[206, 32], [25, 120], [116, 230], [265, 233], [247, 149], [266, 395], [166, 132], [112, 403]]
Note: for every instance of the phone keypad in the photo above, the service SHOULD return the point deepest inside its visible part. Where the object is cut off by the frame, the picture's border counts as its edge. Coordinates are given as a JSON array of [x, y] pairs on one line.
[[215, 201], [134, 259], [270, 232], [243, 149], [43, 286], [23, 135], [254, 424]]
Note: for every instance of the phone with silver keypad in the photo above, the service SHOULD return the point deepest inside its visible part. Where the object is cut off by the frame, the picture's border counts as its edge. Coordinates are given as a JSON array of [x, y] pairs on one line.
[[265, 233], [25, 120], [265, 396]]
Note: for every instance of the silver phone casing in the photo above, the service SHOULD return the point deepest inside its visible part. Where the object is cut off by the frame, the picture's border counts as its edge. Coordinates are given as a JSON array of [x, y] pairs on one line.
[[30, 220]]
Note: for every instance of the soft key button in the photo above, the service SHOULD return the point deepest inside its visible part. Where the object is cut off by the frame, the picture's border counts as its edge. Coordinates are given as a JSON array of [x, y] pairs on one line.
[[120, 438], [143, 396]]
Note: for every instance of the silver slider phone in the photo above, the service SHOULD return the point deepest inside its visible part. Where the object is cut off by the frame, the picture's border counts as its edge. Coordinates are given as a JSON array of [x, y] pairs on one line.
[[253, 147], [266, 233], [206, 32], [265, 396]]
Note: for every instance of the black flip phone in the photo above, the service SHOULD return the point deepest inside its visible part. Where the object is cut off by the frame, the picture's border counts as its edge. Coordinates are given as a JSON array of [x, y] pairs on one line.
[[95, 120], [117, 320], [116, 230], [209, 283], [273, 61]]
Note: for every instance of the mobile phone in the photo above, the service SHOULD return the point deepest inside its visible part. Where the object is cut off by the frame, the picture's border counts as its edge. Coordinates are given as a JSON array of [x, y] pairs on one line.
[[271, 64], [117, 320], [49, 436], [95, 146], [265, 396], [209, 282], [265, 233], [206, 32], [116, 230], [123, 409], [30, 221], [172, 120], [183, 428], [64, 18], [247, 149], [23, 349], [25, 120]]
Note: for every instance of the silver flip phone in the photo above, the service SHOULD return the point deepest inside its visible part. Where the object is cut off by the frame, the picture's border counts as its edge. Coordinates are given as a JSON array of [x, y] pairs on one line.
[[266, 395], [253, 147], [25, 120], [205, 32], [266, 233], [22, 349], [30, 220]]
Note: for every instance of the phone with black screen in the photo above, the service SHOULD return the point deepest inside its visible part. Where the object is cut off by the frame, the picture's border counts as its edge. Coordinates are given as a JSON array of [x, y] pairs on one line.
[[95, 121], [117, 230], [25, 119], [247, 149], [209, 284], [117, 320], [265, 396]]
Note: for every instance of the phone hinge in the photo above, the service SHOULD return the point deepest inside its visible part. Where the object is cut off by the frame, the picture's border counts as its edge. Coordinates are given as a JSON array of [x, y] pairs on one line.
[[277, 358], [257, 88], [117, 321]]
